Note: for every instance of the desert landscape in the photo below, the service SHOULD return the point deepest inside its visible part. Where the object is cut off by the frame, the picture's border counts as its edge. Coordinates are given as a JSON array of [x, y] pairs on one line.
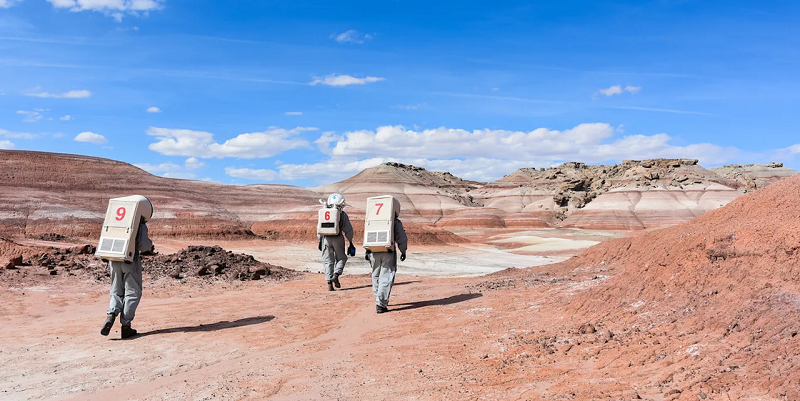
[[652, 279]]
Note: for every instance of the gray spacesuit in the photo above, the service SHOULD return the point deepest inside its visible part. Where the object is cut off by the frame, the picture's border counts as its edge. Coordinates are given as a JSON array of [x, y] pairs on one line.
[[384, 267], [126, 286], [334, 253]]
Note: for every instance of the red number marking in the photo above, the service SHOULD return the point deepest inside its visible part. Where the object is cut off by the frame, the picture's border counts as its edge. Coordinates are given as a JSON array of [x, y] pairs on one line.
[[120, 214], [380, 205], [327, 215]]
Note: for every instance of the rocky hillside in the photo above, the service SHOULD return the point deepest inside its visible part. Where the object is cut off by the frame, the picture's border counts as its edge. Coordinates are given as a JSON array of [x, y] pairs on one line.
[[43, 193]]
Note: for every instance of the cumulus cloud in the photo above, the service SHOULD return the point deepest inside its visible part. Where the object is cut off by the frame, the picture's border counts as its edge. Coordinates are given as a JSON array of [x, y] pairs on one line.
[[65, 118], [31, 116], [183, 142], [344, 80], [193, 164], [16, 135], [73, 94], [351, 36], [293, 113], [7, 4], [488, 154], [158, 168], [4, 144], [181, 175], [172, 170], [252, 174], [90, 137], [153, 110], [618, 90], [112, 8]]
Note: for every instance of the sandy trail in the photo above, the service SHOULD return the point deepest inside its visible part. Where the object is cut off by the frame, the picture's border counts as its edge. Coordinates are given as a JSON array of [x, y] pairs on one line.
[[495, 338], [280, 340], [292, 340]]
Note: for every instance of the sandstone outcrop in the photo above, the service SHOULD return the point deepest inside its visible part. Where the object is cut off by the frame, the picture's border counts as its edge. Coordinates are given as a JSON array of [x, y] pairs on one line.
[[54, 196]]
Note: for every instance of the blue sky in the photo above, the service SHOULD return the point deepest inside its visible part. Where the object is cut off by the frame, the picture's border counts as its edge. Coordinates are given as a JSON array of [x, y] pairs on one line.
[[309, 92]]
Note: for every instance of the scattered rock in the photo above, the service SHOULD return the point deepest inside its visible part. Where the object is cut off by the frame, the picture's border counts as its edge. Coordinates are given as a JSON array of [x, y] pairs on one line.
[[587, 328], [82, 250], [12, 262]]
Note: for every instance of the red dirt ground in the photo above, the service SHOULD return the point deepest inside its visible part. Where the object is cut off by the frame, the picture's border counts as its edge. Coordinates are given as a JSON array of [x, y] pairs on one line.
[[705, 310]]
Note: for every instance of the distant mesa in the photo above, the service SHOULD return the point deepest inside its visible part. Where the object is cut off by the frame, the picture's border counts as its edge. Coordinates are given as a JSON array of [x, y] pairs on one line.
[[36, 199]]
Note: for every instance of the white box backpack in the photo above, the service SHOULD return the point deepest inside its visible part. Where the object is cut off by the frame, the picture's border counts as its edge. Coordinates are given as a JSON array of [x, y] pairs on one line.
[[328, 221], [379, 223]]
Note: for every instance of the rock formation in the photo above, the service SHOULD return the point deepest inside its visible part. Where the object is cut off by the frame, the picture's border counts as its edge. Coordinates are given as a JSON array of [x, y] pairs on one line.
[[66, 195]]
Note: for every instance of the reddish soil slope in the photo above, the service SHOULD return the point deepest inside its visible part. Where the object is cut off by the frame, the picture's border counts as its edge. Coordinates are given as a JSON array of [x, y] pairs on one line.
[[710, 306]]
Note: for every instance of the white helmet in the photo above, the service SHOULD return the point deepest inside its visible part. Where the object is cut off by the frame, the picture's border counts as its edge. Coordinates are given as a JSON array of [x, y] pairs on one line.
[[336, 199]]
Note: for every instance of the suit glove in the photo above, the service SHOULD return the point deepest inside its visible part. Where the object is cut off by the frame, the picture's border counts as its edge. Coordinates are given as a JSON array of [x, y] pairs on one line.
[[319, 245], [402, 256], [351, 250], [366, 255]]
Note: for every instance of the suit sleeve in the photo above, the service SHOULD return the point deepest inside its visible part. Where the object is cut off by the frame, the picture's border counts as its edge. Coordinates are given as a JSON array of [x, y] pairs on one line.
[[143, 241], [400, 236], [347, 228]]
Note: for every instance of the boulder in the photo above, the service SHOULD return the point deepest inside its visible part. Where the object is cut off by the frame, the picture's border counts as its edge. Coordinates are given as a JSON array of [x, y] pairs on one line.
[[12, 262]]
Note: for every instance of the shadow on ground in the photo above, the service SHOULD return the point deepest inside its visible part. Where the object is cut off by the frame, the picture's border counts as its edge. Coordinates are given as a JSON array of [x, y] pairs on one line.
[[370, 285], [434, 302], [249, 321]]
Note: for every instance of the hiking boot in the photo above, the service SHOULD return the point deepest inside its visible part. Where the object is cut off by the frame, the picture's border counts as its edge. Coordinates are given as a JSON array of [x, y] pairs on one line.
[[330, 286], [380, 309], [127, 332], [336, 281], [110, 318]]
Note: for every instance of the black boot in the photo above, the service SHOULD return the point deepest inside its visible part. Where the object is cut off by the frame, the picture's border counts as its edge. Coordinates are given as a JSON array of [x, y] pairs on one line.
[[128, 332], [336, 281], [330, 286], [380, 309], [110, 318]]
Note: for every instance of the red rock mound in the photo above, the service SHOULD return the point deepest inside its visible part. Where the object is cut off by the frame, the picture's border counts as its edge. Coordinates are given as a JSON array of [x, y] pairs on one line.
[[710, 305]]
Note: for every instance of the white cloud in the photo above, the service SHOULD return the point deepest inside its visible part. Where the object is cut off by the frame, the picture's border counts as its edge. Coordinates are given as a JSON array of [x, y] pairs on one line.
[[251, 174], [73, 94], [159, 168], [112, 8], [614, 90], [7, 4], [412, 106], [153, 110], [794, 149], [172, 170], [618, 90], [182, 175], [6, 144], [90, 137], [488, 154], [16, 135], [294, 113], [351, 36], [344, 80], [65, 118], [193, 164], [31, 116], [397, 141], [183, 142], [633, 89]]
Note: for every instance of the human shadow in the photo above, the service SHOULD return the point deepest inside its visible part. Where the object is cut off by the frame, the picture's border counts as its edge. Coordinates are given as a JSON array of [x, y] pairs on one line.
[[370, 285], [248, 321], [434, 302]]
